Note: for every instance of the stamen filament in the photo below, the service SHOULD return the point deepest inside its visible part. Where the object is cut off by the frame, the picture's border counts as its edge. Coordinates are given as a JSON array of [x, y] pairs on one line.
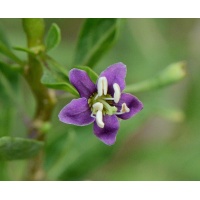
[[96, 97], [93, 116], [119, 113], [108, 98]]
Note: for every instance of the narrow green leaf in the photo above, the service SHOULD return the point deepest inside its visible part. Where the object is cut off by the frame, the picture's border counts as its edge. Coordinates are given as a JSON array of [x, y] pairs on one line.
[[7, 52], [56, 66], [53, 37], [8, 83], [96, 37], [4, 67], [18, 148], [92, 74], [3, 38], [26, 50], [33, 51], [53, 80], [56, 76], [7, 87]]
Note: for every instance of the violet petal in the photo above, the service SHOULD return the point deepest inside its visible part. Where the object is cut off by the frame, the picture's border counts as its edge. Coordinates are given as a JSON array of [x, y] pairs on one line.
[[77, 112], [115, 73], [109, 132], [82, 82], [132, 102]]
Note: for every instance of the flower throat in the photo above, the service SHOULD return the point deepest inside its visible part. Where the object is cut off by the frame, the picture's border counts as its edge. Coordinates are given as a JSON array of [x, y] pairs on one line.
[[102, 103]]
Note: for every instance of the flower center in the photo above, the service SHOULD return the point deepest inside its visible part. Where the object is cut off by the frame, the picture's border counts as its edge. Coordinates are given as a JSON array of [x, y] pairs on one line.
[[102, 103]]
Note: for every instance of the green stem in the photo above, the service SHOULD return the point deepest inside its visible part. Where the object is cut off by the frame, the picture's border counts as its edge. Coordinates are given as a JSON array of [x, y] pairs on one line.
[[172, 74], [45, 99]]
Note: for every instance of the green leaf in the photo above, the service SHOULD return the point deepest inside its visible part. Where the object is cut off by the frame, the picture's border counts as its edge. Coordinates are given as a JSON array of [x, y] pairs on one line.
[[5, 67], [8, 83], [96, 37], [56, 76], [53, 37], [7, 52], [92, 74], [4, 39], [32, 51], [27, 50], [56, 81], [18, 148], [53, 64]]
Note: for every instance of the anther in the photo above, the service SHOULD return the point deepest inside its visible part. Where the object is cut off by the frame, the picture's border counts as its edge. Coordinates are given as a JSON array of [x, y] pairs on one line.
[[102, 86], [98, 106], [117, 92], [99, 119], [124, 108]]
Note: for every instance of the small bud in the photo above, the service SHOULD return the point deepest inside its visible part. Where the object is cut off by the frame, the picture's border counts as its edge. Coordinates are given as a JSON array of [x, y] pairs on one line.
[[172, 73]]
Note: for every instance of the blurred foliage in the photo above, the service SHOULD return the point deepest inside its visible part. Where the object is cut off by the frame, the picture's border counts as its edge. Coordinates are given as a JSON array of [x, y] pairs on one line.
[[154, 145], [96, 37], [13, 148]]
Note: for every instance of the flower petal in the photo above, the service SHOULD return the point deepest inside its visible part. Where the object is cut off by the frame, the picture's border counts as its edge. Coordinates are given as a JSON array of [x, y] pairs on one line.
[[82, 82], [77, 112], [109, 132], [132, 102], [115, 73]]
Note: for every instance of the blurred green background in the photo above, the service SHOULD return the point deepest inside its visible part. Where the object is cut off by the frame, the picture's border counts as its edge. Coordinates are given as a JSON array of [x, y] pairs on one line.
[[160, 143]]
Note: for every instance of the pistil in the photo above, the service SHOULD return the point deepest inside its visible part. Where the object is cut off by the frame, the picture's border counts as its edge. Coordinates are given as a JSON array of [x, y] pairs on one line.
[[110, 110]]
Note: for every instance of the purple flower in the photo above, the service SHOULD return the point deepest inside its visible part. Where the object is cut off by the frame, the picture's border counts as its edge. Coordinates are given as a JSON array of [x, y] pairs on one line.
[[101, 104]]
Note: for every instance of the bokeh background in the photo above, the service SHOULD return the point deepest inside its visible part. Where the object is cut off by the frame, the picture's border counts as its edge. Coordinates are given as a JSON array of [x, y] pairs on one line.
[[160, 143]]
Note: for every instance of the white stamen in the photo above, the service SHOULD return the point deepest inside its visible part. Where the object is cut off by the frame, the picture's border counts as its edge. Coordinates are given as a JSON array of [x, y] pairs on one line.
[[99, 117], [108, 98], [96, 97], [124, 108], [102, 86], [98, 106], [117, 93]]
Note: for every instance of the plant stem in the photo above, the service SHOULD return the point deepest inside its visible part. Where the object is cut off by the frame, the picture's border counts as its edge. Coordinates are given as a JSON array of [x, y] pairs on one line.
[[45, 99]]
